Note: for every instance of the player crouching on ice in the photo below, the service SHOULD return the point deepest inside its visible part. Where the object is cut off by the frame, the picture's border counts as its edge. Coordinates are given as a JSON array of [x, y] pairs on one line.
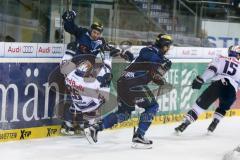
[[224, 73], [132, 89], [89, 88]]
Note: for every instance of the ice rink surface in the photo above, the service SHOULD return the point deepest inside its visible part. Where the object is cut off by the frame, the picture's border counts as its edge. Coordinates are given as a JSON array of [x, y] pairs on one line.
[[193, 144]]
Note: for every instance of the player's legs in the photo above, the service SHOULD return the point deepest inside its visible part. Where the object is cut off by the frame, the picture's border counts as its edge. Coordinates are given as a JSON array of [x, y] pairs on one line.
[[125, 107], [77, 118], [69, 123], [148, 102], [202, 103], [144, 123], [143, 98], [122, 114], [226, 99]]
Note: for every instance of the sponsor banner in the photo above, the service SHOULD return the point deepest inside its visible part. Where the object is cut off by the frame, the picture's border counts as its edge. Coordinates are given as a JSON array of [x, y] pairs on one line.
[[2, 49], [189, 52], [136, 49], [172, 53], [27, 99], [213, 52], [29, 133], [50, 50], [186, 52], [172, 118], [51, 131], [58, 50], [20, 49]]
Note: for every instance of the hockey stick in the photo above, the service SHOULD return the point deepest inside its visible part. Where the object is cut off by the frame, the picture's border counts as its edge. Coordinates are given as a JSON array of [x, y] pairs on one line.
[[102, 54], [158, 92], [122, 49], [190, 85], [168, 87]]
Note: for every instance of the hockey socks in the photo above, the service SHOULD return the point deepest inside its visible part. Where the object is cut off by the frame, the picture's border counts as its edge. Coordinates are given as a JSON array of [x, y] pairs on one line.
[[190, 117]]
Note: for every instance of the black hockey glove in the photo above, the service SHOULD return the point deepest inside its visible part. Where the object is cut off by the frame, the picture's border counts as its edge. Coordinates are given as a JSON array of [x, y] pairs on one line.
[[197, 83], [104, 44], [167, 64], [127, 55], [105, 80], [71, 48], [106, 47], [114, 52], [69, 15]]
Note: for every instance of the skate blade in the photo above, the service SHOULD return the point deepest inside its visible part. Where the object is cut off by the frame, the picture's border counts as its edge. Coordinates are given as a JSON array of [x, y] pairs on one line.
[[141, 146], [177, 133], [209, 133], [87, 134]]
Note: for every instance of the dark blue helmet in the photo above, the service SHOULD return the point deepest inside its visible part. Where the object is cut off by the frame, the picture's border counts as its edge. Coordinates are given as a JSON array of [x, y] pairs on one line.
[[233, 51], [163, 40]]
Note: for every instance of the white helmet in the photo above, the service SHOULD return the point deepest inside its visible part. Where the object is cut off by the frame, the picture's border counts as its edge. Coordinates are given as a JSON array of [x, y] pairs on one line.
[[84, 69], [233, 51]]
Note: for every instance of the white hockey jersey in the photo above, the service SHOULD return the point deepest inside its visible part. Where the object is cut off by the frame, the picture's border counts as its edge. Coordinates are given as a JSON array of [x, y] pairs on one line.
[[86, 93], [226, 67]]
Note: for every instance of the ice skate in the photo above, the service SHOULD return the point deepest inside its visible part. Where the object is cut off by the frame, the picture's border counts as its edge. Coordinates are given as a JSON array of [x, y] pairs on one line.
[[182, 126], [67, 129], [91, 132], [139, 142], [213, 125]]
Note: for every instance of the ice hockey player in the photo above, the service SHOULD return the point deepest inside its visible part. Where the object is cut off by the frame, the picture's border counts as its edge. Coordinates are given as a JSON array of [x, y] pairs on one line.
[[89, 41], [132, 89], [224, 72], [88, 88]]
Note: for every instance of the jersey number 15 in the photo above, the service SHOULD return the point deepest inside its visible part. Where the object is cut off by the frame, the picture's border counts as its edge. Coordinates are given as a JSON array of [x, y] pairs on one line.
[[230, 68]]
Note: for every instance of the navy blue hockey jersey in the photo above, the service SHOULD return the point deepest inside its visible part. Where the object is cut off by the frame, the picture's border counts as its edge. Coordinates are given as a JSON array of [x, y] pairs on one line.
[[149, 60], [85, 44]]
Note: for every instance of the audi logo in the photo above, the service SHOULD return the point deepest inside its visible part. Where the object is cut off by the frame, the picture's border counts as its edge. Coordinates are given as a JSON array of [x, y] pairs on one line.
[[27, 49], [56, 50]]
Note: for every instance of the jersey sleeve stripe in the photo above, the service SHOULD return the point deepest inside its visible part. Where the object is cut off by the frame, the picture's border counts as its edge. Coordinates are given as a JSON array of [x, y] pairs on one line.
[[213, 68]]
